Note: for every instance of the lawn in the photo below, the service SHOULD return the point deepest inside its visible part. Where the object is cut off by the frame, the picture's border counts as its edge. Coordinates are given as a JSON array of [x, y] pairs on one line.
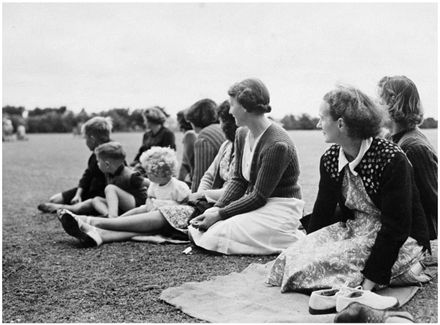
[[48, 277]]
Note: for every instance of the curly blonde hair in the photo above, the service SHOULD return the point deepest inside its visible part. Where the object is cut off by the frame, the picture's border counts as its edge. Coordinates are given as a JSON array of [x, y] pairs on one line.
[[159, 161]]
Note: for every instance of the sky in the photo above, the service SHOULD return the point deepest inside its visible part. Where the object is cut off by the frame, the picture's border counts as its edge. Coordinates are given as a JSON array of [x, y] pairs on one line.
[[99, 56]]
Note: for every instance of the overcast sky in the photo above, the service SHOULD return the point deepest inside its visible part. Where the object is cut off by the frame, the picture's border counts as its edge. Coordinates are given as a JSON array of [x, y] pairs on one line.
[[100, 56]]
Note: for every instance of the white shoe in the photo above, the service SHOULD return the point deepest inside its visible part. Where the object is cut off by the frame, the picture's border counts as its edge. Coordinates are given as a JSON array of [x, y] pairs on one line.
[[86, 233], [365, 297], [323, 301]]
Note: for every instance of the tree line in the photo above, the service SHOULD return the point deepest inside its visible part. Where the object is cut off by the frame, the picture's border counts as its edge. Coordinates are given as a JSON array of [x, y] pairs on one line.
[[59, 120]]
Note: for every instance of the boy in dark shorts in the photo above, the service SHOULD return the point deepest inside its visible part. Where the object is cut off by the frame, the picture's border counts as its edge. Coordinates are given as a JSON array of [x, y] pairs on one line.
[[96, 131]]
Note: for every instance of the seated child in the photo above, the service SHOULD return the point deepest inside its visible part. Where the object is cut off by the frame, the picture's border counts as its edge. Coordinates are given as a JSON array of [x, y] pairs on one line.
[[160, 165], [125, 189], [96, 131]]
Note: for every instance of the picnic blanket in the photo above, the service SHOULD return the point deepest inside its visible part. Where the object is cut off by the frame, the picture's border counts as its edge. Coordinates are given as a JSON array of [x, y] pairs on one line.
[[245, 298]]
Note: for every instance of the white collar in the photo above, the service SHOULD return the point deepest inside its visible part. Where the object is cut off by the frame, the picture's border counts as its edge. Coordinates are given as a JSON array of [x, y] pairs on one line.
[[343, 161]]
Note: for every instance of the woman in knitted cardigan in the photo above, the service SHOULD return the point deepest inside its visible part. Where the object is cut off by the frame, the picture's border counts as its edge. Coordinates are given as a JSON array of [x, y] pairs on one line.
[[380, 231], [260, 209]]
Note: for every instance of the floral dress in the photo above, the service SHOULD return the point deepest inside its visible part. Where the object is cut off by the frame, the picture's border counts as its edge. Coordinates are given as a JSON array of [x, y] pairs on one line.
[[335, 255], [178, 215]]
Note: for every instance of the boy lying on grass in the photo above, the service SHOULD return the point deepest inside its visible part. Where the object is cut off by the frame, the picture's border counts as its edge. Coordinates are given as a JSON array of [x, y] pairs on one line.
[[126, 188]]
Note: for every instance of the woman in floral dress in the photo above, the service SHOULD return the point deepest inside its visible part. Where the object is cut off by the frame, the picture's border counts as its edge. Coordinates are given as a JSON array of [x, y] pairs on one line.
[[379, 230]]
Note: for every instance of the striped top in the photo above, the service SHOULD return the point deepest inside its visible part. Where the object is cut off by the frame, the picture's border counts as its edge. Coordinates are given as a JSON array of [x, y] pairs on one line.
[[274, 173], [206, 148], [423, 158]]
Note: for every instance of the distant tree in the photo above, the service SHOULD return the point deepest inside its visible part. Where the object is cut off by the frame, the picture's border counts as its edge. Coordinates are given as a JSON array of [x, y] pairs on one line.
[[12, 110], [289, 122]]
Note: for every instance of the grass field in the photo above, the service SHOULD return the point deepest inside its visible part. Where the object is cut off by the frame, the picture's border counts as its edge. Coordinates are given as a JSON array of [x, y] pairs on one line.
[[48, 278]]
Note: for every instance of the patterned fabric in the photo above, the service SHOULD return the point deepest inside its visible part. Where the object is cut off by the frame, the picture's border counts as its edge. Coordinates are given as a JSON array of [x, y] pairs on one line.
[[371, 167], [336, 255], [177, 216], [226, 166], [220, 169]]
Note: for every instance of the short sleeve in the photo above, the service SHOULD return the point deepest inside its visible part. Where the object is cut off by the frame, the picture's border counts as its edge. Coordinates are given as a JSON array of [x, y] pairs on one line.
[[181, 191]]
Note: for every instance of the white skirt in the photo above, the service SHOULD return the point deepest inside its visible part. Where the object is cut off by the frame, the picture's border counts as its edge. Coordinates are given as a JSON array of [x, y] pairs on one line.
[[264, 231]]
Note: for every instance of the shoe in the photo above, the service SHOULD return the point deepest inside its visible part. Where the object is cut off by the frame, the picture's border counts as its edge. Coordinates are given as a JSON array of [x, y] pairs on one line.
[[47, 207], [86, 234], [360, 313], [323, 301], [365, 297]]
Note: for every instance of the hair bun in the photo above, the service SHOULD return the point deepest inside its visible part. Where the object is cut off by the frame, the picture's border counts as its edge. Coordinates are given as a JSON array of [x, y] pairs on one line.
[[265, 108]]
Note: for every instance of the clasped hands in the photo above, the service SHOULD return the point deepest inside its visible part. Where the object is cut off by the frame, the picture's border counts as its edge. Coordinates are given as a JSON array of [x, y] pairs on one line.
[[206, 220]]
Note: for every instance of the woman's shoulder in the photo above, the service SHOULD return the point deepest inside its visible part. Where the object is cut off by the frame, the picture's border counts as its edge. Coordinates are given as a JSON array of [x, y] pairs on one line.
[[384, 150], [331, 153]]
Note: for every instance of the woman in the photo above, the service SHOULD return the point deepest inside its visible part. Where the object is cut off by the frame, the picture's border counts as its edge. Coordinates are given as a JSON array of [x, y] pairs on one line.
[[157, 134], [260, 209], [189, 137], [168, 220], [402, 100], [203, 118], [382, 230], [211, 185]]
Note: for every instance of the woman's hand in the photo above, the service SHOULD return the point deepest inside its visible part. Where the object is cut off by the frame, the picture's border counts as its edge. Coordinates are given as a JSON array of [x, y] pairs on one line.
[[195, 196], [206, 220]]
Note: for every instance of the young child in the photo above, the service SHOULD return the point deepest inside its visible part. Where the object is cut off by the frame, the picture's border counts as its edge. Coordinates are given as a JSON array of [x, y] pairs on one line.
[[125, 189], [160, 165], [96, 131]]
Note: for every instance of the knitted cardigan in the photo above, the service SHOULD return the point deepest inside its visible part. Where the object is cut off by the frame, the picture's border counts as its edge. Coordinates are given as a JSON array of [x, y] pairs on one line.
[[389, 181], [423, 158], [206, 148], [274, 173]]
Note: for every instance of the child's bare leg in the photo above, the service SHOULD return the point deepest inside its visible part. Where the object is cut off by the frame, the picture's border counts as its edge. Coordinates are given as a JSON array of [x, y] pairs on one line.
[[81, 207], [109, 236], [100, 205], [118, 199], [144, 223], [138, 210]]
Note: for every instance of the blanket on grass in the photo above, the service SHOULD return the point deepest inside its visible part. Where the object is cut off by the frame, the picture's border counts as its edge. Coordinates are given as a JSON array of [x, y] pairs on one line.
[[245, 298]]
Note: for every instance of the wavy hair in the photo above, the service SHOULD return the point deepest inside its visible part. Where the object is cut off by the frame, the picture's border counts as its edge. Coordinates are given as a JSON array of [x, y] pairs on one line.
[[362, 117], [202, 113], [252, 94], [402, 100], [156, 115], [228, 121]]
